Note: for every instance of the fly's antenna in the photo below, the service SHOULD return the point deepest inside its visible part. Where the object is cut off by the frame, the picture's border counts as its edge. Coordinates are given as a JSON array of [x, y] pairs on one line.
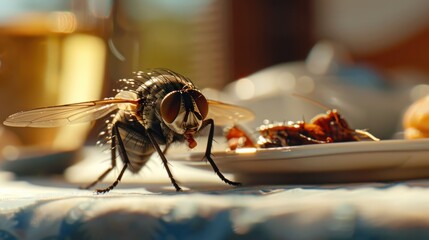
[[337, 117], [312, 101]]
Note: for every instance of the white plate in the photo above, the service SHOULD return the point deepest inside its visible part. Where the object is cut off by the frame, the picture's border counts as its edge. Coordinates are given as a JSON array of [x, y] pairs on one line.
[[386, 160]]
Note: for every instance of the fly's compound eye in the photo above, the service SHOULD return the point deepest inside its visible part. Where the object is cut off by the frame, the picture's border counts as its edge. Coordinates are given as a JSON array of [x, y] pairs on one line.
[[201, 102], [170, 106]]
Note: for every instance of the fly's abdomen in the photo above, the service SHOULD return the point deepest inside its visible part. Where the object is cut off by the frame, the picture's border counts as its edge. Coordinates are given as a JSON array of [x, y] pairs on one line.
[[139, 152], [137, 146]]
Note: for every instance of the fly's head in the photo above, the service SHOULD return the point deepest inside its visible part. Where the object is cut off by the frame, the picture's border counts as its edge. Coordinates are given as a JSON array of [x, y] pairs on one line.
[[184, 111]]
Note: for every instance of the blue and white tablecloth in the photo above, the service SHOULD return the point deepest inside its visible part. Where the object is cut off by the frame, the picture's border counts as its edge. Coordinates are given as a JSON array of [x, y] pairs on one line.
[[53, 208]]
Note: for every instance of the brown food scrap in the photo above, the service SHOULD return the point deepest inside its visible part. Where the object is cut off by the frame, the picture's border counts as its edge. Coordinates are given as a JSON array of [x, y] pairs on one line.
[[324, 128], [238, 138]]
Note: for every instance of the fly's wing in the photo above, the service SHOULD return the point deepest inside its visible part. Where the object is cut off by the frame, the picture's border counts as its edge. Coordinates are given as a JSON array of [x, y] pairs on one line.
[[224, 114], [61, 115]]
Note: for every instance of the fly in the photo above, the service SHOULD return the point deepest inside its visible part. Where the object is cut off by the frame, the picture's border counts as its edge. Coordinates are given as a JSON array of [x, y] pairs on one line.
[[156, 108]]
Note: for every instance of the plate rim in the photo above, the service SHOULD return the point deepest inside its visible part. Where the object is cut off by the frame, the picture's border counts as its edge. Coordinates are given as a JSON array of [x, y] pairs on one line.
[[305, 151]]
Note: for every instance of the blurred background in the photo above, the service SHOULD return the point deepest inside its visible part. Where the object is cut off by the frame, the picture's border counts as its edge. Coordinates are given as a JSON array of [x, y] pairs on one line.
[[56, 52]]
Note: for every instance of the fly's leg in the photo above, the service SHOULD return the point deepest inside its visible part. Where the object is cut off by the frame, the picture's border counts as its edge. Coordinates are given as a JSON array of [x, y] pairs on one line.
[[208, 152], [166, 149], [112, 166], [163, 158], [122, 153]]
